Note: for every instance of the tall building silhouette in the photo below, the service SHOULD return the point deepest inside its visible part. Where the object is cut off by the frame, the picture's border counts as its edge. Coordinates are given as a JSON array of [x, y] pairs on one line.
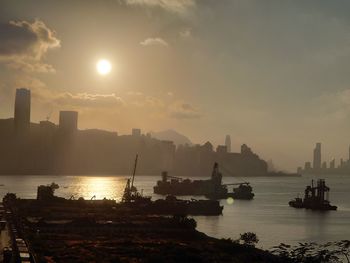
[[317, 156], [228, 143], [22, 110], [68, 121]]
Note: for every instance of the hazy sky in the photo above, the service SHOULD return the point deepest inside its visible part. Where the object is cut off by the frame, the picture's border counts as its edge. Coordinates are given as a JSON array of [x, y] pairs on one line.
[[274, 74]]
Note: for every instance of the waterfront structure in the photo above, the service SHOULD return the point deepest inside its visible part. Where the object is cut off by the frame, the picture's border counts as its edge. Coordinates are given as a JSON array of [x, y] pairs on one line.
[[317, 156], [228, 143], [68, 121], [22, 110]]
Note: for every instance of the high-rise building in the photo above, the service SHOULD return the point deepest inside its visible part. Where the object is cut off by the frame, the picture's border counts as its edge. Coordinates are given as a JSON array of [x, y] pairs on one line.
[[307, 166], [22, 110], [317, 156], [228, 143], [136, 132], [221, 149], [68, 121]]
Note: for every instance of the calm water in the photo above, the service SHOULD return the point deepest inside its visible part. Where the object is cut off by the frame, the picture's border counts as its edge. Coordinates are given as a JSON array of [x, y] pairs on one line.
[[268, 214]]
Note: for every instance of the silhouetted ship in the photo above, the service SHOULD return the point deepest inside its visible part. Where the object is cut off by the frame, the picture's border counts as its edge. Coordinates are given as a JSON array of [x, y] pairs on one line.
[[170, 205], [212, 188], [316, 197]]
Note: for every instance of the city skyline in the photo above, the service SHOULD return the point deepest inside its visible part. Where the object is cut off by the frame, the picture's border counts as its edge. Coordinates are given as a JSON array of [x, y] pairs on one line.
[[272, 74], [321, 165]]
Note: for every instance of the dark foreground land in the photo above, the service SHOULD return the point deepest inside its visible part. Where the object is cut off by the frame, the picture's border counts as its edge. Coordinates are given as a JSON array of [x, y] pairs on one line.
[[88, 231]]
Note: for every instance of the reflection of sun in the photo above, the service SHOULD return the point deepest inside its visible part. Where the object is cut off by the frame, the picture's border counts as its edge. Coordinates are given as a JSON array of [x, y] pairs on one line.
[[230, 200], [109, 187]]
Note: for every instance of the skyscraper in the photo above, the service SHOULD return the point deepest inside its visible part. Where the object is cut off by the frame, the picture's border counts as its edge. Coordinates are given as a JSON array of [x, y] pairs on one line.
[[228, 143], [317, 156], [22, 110], [68, 121]]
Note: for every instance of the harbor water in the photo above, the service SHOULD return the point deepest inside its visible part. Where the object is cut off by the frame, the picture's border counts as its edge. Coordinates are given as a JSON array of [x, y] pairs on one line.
[[268, 215]]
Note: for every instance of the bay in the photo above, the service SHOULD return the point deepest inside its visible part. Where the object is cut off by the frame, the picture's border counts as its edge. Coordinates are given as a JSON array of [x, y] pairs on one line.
[[268, 215]]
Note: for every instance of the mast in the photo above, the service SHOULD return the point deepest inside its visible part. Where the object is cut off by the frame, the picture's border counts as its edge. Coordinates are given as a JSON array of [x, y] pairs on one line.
[[133, 174]]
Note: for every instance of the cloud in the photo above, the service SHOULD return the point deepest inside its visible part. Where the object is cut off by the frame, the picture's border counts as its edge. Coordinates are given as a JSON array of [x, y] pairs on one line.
[[24, 44], [177, 6], [186, 33], [182, 110], [154, 42], [89, 100]]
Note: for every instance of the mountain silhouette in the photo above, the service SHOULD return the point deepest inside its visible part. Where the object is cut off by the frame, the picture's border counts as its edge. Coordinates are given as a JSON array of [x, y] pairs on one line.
[[171, 135]]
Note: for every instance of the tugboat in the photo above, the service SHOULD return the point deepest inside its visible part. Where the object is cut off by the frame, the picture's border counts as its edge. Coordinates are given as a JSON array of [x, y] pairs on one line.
[[168, 206], [315, 198], [212, 188]]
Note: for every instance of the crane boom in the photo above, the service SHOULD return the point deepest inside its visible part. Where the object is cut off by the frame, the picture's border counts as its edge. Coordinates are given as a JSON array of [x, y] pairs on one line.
[[133, 174]]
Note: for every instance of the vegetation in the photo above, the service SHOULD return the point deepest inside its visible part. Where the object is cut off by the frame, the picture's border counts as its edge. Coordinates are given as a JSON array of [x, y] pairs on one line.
[[332, 252], [249, 239]]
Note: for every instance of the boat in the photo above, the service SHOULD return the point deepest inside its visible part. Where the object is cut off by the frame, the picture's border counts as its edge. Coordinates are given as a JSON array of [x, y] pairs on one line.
[[244, 192], [212, 188], [169, 206], [131, 194], [315, 197]]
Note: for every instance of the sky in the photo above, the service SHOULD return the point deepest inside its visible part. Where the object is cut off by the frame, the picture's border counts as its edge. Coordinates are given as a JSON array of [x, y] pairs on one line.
[[273, 74]]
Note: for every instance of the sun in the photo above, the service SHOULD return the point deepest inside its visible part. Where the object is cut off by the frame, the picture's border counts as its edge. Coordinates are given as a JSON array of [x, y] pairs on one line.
[[103, 67]]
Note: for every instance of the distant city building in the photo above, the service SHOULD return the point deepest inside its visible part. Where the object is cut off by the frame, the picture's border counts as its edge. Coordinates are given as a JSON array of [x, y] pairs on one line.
[[68, 121], [317, 156], [307, 166], [245, 149], [207, 147], [221, 149], [47, 126], [136, 132], [299, 170], [228, 143], [22, 110], [342, 168]]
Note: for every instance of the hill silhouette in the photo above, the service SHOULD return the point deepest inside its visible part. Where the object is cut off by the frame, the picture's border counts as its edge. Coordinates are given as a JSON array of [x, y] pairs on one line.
[[172, 135]]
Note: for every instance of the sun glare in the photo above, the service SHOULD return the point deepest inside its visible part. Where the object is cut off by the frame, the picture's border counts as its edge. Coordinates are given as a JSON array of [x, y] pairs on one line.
[[103, 67]]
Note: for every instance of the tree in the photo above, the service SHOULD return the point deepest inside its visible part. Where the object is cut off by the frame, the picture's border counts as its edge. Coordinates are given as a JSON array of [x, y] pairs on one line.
[[249, 239]]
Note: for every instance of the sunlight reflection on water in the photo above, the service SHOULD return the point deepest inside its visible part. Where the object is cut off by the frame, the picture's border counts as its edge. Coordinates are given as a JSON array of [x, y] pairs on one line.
[[100, 187]]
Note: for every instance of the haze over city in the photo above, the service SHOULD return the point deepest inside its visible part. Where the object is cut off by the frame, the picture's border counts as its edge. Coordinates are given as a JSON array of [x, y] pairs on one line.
[[272, 74]]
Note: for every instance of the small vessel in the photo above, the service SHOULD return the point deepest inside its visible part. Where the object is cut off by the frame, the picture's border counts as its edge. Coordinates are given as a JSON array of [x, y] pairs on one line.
[[212, 188], [243, 192], [315, 198], [131, 194]]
